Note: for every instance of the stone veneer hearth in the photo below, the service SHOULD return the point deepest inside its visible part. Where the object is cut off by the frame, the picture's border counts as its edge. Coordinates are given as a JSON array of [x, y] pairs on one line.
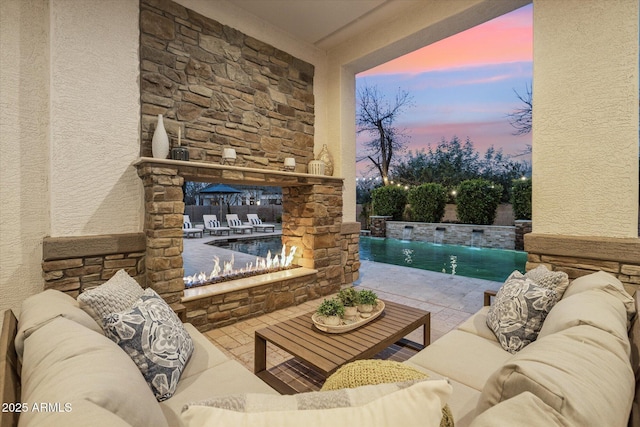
[[312, 221]]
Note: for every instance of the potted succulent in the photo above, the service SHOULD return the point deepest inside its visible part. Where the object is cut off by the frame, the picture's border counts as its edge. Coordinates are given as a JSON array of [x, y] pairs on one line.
[[367, 301], [331, 311], [350, 299]]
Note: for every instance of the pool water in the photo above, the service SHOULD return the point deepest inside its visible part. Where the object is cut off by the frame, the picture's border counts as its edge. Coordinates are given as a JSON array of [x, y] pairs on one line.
[[481, 263], [256, 247]]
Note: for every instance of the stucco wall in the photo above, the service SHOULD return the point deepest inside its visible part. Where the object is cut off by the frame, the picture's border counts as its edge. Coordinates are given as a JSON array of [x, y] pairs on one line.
[[585, 121], [24, 113], [94, 118]]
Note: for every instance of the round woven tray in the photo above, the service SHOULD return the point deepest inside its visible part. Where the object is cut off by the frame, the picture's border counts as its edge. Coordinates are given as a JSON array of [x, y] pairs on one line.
[[347, 325]]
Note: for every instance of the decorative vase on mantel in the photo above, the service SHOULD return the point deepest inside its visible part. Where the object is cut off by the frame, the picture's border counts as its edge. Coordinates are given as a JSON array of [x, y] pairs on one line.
[[160, 141], [326, 157]]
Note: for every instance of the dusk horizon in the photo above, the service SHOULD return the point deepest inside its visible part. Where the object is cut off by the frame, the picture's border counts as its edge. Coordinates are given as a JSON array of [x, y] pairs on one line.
[[462, 86]]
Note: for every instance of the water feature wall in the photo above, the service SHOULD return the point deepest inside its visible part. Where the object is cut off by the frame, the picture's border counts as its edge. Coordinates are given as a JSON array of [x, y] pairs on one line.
[[485, 236]]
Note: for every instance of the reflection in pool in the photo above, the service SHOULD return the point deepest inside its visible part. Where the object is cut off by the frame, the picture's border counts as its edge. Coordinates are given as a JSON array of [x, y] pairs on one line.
[[481, 263]]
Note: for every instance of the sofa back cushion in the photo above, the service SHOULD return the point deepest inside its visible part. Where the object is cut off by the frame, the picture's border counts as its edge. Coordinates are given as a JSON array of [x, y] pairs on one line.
[[66, 362], [582, 372], [42, 308], [607, 283], [593, 307], [524, 409]]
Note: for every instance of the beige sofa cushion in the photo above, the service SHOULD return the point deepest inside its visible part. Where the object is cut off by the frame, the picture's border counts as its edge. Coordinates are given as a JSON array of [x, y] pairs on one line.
[[463, 399], [607, 283], [451, 357], [582, 372], [205, 354], [117, 294], [525, 409], [66, 362], [594, 307], [420, 404], [81, 413], [226, 378], [41, 308], [477, 325]]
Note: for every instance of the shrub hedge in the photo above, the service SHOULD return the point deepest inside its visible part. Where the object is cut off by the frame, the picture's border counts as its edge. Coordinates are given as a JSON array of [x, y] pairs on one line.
[[427, 202], [389, 201], [521, 198], [477, 201]]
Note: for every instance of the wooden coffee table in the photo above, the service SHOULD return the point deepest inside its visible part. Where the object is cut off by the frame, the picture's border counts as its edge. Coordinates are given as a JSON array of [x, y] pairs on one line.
[[326, 352]]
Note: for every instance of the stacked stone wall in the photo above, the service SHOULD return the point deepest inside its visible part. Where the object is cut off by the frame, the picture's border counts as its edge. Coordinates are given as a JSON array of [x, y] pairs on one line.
[[74, 264], [350, 252], [486, 236], [223, 89], [581, 255], [225, 309]]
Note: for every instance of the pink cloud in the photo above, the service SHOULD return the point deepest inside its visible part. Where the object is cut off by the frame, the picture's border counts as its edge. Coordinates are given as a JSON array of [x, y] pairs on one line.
[[505, 39]]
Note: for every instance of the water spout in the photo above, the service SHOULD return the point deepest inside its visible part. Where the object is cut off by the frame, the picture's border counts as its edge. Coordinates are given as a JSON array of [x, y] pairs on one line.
[[438, 235], [477, 238], [407, 232]]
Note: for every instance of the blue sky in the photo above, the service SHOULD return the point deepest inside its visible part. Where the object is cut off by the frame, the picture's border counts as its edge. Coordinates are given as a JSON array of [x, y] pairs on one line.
[[463, 85]]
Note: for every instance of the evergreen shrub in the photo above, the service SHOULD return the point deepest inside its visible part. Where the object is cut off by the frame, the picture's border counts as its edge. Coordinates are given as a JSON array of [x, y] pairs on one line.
[[477, 201], [521, 198], [389, 201], [427, 202]]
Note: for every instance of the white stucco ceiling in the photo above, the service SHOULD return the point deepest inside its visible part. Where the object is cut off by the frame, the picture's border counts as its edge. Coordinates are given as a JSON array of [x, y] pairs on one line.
[[324, 23]]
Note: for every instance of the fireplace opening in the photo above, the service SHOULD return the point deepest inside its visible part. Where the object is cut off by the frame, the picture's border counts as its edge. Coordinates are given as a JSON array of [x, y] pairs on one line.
[[250, 247]]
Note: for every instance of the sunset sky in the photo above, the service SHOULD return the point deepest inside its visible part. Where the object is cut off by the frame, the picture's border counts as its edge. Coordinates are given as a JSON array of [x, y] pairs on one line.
[[462, 86]]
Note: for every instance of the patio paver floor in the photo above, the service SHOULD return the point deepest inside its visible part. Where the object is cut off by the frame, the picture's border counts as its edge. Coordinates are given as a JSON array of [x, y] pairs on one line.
[[450, 299]]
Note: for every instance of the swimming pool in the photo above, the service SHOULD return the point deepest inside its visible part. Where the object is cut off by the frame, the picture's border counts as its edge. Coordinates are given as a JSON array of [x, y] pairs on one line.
[[256, 247], [481, 263]]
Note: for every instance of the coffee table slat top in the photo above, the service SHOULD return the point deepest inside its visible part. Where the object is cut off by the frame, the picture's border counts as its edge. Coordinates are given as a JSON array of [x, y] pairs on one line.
[[327, 352]]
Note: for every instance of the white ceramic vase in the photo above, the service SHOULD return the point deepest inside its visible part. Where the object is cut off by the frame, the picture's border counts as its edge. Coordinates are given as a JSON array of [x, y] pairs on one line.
[[160, 141]]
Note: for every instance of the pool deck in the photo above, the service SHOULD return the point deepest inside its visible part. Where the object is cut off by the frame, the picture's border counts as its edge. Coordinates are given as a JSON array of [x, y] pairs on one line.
[[450, 299]]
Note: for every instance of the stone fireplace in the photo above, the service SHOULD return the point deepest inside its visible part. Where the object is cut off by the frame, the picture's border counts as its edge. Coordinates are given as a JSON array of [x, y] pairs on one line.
[[220, 89], [312, 221]]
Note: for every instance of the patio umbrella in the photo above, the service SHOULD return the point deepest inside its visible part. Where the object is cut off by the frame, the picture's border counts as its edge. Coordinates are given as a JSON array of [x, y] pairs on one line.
[[223, 191]]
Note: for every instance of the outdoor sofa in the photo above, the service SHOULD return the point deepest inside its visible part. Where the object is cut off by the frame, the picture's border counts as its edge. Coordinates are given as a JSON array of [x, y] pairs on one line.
[[581, 371]]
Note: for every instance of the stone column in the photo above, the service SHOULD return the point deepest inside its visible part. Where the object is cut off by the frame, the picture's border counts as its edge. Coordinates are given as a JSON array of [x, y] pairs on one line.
[[523, 226], [164, 208], [311, 220], [379, 225]]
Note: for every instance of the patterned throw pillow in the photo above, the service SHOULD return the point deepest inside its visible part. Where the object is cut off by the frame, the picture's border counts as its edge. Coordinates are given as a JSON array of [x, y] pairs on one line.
[[235, 222], [542, 276], [518, 312], [256, 221], [214, 224], [117, 294], [153, 336]]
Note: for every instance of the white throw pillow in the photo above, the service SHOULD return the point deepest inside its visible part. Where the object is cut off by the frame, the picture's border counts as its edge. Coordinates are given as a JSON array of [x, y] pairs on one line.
[[154, 337], [418, 405], [116, 294]]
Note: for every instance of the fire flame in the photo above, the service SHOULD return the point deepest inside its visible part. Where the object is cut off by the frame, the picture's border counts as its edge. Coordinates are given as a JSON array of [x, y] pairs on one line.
[[262, 265]]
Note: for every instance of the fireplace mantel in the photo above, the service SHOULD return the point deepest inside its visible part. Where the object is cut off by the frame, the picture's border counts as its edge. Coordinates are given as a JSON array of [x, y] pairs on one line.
[[210, 172]]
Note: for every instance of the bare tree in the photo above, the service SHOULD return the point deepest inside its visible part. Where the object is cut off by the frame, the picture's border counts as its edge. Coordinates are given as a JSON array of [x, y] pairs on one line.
[[520, 118], [376, 116]]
